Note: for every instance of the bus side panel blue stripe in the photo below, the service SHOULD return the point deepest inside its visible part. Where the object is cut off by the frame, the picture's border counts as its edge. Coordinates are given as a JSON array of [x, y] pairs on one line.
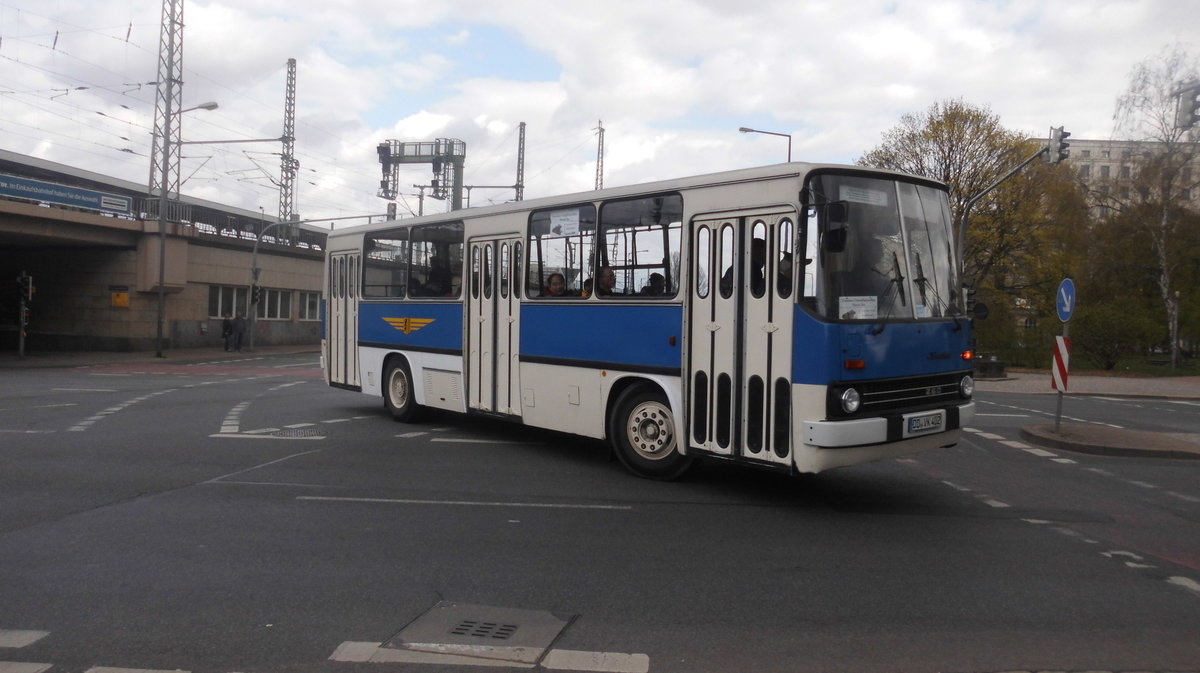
[[445, 332], [603, 332]]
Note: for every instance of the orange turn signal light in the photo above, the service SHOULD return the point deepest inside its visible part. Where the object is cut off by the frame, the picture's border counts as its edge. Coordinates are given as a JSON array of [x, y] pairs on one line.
[[968, 355], [855, 364]]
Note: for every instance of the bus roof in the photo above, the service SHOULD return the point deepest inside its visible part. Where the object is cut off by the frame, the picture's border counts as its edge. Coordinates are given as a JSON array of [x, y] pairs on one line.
[[674, 184]]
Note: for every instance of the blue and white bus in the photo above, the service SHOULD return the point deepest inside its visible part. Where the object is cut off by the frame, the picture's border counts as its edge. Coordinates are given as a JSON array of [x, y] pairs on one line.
[[799, 316]]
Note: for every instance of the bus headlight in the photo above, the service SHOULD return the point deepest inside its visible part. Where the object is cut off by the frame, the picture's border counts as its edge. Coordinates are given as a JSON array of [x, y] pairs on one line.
[[851, 400], [967, 386]]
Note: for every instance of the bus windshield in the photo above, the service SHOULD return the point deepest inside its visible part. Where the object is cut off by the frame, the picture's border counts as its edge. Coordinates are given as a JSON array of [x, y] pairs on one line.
[[879, 250]]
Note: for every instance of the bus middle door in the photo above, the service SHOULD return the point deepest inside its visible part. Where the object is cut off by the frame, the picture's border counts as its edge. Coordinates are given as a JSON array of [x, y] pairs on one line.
[[493, 327], [739, 345]]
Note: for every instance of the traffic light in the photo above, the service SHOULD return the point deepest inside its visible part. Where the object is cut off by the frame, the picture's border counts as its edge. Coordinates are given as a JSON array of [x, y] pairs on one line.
[[255, 294], [1187, 110], [25, 286], [1057, 149]]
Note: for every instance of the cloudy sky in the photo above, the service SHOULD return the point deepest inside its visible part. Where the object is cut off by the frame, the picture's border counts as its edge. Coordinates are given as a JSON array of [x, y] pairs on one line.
[[671, 80]]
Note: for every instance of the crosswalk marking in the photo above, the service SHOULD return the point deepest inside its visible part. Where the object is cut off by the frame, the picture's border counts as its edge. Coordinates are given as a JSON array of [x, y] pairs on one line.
[[17, 638]]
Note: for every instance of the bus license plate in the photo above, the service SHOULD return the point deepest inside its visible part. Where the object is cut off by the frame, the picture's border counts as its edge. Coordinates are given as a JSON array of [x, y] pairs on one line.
[[923, 424]]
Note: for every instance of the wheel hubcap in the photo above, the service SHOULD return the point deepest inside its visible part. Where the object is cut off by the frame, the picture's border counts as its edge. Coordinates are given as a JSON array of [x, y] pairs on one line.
[[651, 431]]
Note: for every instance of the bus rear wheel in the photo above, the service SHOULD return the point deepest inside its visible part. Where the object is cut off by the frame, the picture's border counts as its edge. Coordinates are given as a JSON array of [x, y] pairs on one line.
[[644, 437], [398, 391]]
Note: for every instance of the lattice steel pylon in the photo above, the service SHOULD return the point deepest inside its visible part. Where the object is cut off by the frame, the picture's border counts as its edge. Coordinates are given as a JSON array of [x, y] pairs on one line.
[[164, 154], [600, 156], [288, 164]]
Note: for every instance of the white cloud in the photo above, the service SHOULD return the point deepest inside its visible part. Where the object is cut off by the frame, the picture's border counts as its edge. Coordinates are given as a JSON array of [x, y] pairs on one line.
[[672, 81]]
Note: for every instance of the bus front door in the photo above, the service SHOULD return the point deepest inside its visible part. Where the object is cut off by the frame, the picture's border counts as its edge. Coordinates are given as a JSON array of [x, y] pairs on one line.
[[740, 333], [493, 327], [341, 320]]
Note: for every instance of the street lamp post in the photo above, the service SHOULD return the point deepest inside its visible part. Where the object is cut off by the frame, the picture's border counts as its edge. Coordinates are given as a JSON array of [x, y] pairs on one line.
[[772, 133], [162, 220]]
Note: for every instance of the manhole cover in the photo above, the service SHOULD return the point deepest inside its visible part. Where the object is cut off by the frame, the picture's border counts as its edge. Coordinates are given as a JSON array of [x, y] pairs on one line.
[[501, 634], [299, 432]]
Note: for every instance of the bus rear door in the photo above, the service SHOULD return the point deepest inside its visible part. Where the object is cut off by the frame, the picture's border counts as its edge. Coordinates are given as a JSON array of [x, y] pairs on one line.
[[740, 333], [341, 315], [493, 327]]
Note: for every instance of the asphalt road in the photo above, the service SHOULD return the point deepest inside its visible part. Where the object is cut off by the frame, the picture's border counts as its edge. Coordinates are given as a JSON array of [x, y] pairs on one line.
[[238, 515]]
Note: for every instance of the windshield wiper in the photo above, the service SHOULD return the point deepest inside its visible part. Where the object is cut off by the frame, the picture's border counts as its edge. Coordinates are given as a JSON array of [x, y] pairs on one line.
[[897, 284], [942, 305]]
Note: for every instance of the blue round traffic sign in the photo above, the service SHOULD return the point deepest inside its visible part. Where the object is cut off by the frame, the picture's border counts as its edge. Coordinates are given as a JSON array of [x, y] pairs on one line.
[[1064, 300]]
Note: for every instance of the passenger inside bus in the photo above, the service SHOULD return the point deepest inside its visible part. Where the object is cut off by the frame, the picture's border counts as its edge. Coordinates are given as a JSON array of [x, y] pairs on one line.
[[657, 286], [556, 285]]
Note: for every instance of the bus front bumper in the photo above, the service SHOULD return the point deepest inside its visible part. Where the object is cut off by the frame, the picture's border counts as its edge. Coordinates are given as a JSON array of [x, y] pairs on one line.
[[887, 428]]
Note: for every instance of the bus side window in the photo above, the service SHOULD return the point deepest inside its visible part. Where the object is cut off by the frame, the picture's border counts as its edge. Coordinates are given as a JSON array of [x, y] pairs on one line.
[[641, 239], [786, 261]]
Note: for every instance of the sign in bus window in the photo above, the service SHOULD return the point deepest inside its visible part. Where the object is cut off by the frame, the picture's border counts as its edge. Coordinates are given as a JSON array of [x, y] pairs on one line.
[[561, 241]]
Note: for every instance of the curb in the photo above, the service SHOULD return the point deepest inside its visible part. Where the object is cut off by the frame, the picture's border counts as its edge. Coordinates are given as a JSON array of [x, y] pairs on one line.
[[1116, 442]]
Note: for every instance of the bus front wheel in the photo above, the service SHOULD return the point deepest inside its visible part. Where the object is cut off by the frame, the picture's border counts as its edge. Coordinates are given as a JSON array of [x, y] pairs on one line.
[[644, 437], [398, 391]]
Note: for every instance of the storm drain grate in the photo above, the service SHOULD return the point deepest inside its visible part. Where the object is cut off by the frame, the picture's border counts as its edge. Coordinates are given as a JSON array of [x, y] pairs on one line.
[[490, 630], [299, 432], [481, 632]]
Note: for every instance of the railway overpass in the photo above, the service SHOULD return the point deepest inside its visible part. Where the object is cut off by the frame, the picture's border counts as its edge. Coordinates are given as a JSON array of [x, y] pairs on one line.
[[93, 254]]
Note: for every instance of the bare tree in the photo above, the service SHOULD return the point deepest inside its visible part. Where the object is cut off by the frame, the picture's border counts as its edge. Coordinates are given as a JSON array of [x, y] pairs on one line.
[[1146, 112]]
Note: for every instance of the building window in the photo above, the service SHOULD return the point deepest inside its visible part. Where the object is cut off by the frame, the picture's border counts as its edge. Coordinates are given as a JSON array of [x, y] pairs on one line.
[[1105, 154], [1104, 170], [310, 305], [275, 304], [1125, 172], [1087, 154], [226, 300], [1085, 171]]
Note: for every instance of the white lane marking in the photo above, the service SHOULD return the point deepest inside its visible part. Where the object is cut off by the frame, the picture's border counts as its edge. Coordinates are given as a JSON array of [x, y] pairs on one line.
[[85, 390], [472, 441], [610, 662], [956, 487], [409, 435], [299, 425], [29, 432], [1065, 461], [465, 503], [17, 638], [1041, 452], [1182, 496], [1185, 582], [337, 420], [43, 406], [1142, 484], [1099, 471], [251, 469], [995, 503], [1015, 444], [990, 435], [23, 667], [110, 669], [87, 422]]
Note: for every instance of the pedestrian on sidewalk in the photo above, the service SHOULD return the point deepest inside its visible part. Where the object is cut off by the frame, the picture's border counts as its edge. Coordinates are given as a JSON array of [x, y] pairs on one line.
[[239, 328], [227, 332]]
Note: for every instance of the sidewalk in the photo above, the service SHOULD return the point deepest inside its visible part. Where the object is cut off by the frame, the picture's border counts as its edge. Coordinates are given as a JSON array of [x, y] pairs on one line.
[[1102, 439]]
